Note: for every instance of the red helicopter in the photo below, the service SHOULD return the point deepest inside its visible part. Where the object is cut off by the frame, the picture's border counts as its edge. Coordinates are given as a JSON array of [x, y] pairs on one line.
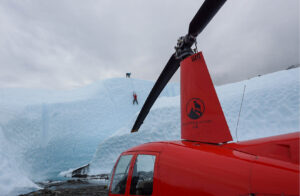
[[203, 162]]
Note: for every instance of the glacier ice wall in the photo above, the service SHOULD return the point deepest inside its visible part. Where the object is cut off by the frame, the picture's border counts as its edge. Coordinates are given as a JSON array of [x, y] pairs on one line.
[[12, 178], [51, 131], [44, 132], [270, 107]]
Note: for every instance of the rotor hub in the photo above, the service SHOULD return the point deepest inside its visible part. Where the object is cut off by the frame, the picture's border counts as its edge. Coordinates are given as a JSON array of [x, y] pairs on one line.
[[183, 48]]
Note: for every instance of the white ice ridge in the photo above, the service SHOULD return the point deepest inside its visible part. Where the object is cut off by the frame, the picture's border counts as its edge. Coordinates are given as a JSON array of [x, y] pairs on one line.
[[270, 107], [44, 132]]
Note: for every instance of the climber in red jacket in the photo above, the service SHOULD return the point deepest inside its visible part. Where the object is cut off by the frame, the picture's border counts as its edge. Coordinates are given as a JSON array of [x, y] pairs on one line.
[[135, 98]]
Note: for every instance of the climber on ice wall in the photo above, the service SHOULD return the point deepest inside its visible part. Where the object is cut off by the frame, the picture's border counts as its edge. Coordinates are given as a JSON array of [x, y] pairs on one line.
[[135, 98]]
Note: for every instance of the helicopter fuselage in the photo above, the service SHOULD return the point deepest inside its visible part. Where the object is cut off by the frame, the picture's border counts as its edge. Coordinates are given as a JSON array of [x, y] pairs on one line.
[[268, 166]]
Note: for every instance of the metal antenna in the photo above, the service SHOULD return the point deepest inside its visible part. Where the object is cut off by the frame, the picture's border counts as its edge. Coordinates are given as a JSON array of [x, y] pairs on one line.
[[237, 124]]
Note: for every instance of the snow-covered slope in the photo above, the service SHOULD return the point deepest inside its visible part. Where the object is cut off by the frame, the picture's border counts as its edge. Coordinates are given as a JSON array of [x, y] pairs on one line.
[[271, 106], [51, 131]]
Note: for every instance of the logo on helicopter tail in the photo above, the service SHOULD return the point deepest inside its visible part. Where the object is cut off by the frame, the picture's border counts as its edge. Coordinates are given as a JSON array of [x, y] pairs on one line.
[[195, 108]]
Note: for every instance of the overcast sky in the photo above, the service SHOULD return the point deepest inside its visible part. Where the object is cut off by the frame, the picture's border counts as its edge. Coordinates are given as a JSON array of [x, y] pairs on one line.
[[63, 44]]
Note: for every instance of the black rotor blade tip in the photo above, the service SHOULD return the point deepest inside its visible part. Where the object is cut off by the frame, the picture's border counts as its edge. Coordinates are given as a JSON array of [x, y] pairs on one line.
[[206, 12]]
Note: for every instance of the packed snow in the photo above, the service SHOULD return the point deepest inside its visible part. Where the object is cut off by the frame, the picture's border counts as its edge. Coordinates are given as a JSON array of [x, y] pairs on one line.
[[45, 132]]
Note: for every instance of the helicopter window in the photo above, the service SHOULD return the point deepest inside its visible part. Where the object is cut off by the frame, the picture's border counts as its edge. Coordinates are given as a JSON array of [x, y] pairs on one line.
[[120, 177], [142, 176]]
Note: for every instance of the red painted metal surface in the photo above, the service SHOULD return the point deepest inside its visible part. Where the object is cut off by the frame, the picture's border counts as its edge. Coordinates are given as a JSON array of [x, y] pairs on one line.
[[267, 166], [187, 168], [195, 168], [282, 147], [202, 118], [276, 168], [272, 176]]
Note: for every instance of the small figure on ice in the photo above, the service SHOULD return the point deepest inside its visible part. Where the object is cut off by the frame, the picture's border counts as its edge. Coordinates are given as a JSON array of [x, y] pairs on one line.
[[135, 98], [128, 75]]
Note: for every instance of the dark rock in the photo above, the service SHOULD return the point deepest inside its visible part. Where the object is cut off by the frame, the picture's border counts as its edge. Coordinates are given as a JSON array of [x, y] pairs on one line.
[[71, 188]]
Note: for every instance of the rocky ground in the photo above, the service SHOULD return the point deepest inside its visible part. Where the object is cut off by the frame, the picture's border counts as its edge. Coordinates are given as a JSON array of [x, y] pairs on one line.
[[76, 187]]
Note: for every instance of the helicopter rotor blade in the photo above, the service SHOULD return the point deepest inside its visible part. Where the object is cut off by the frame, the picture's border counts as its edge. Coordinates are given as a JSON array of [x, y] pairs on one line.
[[206, 12], [167, 73], [183, 49]]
